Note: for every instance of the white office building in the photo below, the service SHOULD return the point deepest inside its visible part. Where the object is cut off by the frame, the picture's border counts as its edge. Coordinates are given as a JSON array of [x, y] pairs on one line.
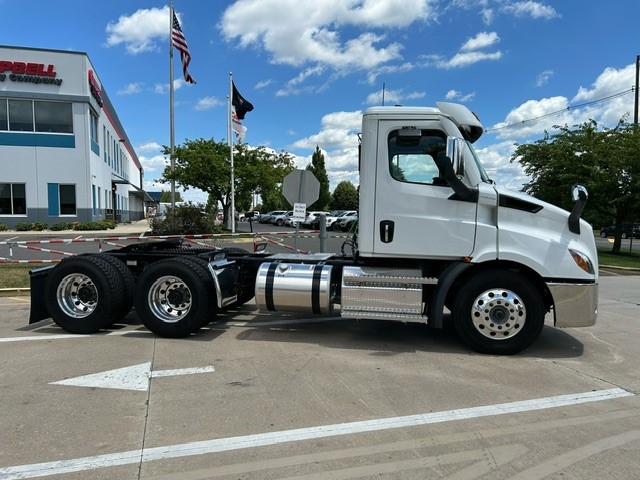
[[64, 155]]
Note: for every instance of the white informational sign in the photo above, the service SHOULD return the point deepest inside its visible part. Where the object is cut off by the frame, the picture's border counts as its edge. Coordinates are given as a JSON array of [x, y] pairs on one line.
[[299, 211]]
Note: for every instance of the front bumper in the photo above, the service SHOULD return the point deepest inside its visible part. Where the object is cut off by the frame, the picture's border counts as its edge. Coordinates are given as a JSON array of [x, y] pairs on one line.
[[574, 305]]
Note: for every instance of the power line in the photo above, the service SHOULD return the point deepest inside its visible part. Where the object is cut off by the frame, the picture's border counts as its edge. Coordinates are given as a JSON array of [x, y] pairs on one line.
[[570, 107]]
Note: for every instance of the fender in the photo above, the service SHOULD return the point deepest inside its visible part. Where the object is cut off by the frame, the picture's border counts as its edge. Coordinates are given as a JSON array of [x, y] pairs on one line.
[[445, 280]]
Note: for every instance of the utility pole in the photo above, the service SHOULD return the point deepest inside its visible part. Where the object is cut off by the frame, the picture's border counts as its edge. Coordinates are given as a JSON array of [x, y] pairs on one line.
[[635, 112]]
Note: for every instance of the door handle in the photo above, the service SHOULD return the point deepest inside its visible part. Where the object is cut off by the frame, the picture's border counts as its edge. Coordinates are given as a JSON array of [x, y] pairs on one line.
[[386, 231]]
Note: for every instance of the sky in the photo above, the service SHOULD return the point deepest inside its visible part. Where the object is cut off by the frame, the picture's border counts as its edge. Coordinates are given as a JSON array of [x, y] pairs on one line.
[[311, 67]]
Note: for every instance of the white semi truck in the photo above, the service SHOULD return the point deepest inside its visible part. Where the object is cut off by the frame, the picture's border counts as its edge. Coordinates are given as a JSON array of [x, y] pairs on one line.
[[435, 235]]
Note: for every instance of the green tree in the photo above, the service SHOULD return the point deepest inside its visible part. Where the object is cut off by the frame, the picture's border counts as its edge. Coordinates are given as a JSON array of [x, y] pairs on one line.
[[206, 165], [345, 197], [165, 196], [318, 168], [605, 160]]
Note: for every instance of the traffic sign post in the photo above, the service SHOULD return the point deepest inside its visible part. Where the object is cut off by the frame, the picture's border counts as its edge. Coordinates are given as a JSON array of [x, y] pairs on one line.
[[300, 187]]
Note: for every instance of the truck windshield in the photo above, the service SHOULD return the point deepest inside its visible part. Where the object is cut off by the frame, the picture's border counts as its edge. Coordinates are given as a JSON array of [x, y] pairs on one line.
[[483, 174]]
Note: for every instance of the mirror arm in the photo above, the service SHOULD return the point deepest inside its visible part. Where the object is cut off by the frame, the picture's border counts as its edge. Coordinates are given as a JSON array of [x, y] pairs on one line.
[[461, 190], [574, 216]]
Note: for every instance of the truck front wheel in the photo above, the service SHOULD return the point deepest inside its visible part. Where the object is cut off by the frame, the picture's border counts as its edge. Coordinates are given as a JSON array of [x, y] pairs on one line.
[[175, 297], [498, 312]]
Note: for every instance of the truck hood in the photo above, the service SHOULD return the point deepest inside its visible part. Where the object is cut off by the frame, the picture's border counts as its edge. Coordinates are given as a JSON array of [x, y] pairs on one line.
[[537, 233]]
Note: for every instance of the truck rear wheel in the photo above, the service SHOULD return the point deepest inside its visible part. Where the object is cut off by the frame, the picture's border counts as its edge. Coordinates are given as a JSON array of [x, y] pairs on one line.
[[498, 312], [128, 285], [175, 297], [84, 294]]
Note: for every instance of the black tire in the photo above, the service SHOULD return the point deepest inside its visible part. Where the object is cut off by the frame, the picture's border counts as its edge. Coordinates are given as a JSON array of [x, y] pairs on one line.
[[603, 234], [128, 285], [279, 222], [498, 312], [175, 297], [624, 235], [83, 294]]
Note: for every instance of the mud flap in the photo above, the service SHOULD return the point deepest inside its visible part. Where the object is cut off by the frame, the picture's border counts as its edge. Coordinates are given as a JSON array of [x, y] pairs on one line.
[[38, 308]]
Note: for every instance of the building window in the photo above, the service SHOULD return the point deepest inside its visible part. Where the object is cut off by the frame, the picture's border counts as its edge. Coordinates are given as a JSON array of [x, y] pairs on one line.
[[67, 199], [4, 124], [53, 117], [13, 199], [21, 115]]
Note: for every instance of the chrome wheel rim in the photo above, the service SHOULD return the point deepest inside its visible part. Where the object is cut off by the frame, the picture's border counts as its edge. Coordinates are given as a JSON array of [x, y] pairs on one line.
[[170, 299], [498, 314], [77, 295]]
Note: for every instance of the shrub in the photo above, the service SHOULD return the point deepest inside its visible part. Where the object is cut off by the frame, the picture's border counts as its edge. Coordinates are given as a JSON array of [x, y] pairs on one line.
[[109, 224], [23, 226], [38, 226], [184, 220], [56, 227], [3, 227], [84, 226]]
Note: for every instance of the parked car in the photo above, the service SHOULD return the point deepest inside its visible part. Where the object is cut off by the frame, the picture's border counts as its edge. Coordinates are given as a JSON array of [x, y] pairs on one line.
[[289, 221], [343, 216], [331, 218], [310, 218], [346, 221], [280, 217], [266, 218], [628, 229]]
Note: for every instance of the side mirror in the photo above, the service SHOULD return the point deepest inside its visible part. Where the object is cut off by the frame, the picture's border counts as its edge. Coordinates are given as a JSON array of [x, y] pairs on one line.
[[580, 195], [579, 192], [455, 149]]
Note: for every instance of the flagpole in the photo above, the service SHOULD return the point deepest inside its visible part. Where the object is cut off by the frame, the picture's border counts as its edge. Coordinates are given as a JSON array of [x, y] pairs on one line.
[[171, 124], [233, 193]]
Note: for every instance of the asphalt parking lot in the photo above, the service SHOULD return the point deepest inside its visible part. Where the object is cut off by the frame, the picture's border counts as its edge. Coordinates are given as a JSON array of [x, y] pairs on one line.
[[272, 396]]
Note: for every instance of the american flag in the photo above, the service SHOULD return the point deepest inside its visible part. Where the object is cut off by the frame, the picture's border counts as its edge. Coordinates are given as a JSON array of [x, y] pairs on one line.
[[178, 41]]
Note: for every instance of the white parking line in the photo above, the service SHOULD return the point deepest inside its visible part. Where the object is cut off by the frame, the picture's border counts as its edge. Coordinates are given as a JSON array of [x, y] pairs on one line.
[[323, 431]]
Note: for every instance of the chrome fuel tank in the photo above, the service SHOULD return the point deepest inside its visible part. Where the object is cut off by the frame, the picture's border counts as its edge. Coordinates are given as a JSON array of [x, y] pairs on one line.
[[294, 287]]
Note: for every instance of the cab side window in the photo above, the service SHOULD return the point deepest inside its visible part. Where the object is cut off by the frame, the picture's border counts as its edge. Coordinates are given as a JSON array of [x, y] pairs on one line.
[[413, 156]]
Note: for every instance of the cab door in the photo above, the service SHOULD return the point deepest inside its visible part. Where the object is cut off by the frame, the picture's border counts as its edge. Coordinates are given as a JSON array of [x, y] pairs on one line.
[[416, 213]]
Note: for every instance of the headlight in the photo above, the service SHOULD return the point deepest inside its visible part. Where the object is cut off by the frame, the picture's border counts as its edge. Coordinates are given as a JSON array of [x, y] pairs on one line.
[[582, 261]]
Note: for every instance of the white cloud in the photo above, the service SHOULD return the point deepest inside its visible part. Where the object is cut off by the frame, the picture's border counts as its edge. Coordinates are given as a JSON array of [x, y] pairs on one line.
[[459, 96], [140, 31], [533, 117], [543, 78], [481, 40], [373, 74], [496, 160], [469, 52], [131, 89], [263, 84], [531, 9], [338, 140], [153, 166], [149, 147], [207, 103], [487, 16], [465, 59], [292, 88], [392, 97], [311, 32]]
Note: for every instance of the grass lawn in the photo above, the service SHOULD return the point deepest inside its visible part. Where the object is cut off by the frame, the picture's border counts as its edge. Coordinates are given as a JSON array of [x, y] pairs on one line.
[[16, 275]]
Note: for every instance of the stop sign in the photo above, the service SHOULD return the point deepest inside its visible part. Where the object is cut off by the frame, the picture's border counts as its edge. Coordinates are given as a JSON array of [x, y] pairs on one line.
[[301, 186]]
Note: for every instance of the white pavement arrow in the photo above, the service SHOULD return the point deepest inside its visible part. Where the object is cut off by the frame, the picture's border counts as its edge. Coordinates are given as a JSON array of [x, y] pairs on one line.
[[135, 377]]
